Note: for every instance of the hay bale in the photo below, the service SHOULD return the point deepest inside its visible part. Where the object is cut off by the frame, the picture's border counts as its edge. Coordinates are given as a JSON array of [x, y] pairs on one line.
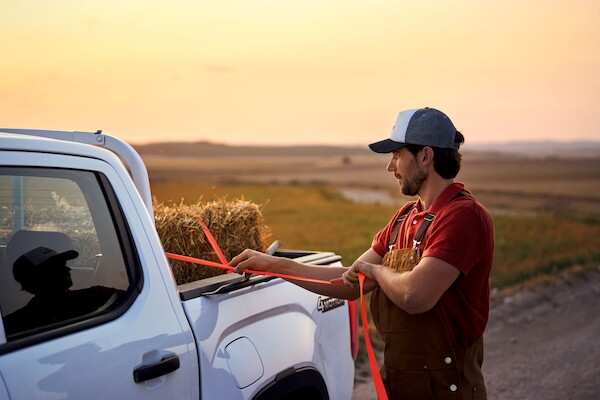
[[236, 225]]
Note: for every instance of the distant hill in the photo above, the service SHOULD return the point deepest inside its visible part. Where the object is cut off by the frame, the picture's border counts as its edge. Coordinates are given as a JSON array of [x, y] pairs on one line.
[[207, 149], [540, 148]]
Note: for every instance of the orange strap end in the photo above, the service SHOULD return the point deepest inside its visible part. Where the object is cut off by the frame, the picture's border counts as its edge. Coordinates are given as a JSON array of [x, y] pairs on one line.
[[381, 393]]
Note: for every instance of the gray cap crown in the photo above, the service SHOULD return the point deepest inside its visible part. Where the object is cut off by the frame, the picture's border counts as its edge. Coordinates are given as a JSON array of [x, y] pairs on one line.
[[420, 126]]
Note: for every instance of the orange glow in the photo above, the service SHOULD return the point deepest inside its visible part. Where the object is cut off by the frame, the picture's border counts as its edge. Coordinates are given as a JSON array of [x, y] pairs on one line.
[[284, 72]]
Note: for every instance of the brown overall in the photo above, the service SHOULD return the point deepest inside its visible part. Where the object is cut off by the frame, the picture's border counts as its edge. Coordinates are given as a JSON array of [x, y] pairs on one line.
[[420, 361]]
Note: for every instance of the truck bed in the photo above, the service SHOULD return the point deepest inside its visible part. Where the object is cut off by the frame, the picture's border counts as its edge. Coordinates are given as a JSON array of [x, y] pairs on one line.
[[250, 331]]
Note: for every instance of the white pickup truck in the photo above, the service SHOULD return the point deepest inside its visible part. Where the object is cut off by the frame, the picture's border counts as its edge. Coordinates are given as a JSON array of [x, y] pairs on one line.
[[90, 308]]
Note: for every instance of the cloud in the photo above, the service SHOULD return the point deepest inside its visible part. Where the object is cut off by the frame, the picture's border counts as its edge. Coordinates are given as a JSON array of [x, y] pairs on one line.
[[218, 69]]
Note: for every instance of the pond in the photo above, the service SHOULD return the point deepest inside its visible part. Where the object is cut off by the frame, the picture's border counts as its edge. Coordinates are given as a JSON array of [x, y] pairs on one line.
[[371, 196]]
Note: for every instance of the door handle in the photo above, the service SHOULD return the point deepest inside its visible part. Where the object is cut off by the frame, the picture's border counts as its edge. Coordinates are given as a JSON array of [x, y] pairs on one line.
[[166, 364]]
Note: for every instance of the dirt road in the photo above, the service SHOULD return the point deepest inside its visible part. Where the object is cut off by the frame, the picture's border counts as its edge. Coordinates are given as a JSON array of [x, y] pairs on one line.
[[542, 341]]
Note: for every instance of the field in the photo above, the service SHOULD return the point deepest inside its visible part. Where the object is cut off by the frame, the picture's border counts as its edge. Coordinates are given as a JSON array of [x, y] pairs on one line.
[[546, 211]]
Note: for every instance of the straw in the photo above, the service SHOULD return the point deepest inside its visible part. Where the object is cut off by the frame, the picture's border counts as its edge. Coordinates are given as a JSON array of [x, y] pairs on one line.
[[236, 225]]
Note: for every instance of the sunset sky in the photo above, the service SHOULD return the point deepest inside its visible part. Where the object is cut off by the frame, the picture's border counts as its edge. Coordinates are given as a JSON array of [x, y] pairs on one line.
[[300, 71]]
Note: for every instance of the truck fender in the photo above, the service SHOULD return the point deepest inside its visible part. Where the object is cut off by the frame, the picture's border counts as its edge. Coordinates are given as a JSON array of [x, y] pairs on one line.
[[295, 384]]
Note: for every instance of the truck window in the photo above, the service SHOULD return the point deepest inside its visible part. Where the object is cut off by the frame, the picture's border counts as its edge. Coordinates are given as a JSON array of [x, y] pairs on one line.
[[61, 261]]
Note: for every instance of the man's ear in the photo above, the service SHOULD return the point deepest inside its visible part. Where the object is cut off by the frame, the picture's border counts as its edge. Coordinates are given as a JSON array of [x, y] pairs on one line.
[[427, 155]]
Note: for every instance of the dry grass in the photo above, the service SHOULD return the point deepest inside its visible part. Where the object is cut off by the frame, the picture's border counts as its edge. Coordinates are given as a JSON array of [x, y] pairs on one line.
[[510, 184]]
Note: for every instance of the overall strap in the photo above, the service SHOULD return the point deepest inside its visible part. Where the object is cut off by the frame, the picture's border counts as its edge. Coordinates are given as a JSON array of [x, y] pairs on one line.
[[429, 217], [397, 225]]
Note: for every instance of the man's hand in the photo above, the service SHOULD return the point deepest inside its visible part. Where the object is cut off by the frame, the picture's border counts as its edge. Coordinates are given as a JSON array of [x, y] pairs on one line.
[[254, 260], [350, 277]]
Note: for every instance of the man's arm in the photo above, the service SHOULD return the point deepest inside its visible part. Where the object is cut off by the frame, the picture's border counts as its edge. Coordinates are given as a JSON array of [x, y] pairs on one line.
[[415, 291], [254, 260]]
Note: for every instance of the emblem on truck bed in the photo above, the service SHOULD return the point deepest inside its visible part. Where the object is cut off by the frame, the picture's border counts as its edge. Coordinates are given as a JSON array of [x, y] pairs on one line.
[[325, 304]]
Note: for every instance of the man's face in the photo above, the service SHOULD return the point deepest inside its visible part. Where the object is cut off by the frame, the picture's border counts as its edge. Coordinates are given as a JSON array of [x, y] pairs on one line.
[[54, 277], [406, 168]]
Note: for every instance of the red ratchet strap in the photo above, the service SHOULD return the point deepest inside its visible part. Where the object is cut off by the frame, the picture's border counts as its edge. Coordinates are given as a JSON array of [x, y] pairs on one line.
[[229, 268], [381, 394], [249, 271], [213, 242]]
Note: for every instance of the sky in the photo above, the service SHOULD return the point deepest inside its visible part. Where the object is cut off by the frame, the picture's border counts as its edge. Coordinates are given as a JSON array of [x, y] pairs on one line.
[[290, 72]]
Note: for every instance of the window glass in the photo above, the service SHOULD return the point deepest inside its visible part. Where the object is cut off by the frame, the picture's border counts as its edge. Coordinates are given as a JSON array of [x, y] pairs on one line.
[[60, 256]]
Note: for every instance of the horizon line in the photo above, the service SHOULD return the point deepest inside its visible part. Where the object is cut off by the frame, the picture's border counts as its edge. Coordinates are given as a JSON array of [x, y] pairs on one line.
[[354, 145]]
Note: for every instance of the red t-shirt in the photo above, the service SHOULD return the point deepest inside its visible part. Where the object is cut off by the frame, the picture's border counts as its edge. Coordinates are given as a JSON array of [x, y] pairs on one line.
[[462, 234]]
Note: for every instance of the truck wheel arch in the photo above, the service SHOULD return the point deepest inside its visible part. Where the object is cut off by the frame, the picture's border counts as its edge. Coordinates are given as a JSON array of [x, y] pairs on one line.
[[295, 384]]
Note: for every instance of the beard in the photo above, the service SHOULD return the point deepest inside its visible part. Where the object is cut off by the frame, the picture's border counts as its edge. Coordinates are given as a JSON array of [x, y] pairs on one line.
[[411, 185]]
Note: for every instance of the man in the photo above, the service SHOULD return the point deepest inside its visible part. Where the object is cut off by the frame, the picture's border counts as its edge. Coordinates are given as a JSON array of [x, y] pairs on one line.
[[429, 268]]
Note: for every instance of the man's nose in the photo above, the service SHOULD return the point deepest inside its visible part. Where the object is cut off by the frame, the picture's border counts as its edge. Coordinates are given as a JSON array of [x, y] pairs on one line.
[[391, 167]]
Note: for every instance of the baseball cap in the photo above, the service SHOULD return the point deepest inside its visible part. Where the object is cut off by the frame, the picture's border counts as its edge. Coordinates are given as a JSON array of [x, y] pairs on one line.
[[420, 126], [29, 262]]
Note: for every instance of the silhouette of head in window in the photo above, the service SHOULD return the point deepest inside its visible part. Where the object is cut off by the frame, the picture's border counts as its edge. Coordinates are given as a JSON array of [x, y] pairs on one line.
[[43, 271]]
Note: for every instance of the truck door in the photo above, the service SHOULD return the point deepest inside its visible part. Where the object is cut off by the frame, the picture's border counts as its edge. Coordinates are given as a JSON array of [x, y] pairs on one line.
[[86, 311], [3, 392]]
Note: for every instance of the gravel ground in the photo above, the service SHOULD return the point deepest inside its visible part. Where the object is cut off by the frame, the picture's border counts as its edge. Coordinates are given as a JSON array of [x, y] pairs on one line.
[[542, 341]]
